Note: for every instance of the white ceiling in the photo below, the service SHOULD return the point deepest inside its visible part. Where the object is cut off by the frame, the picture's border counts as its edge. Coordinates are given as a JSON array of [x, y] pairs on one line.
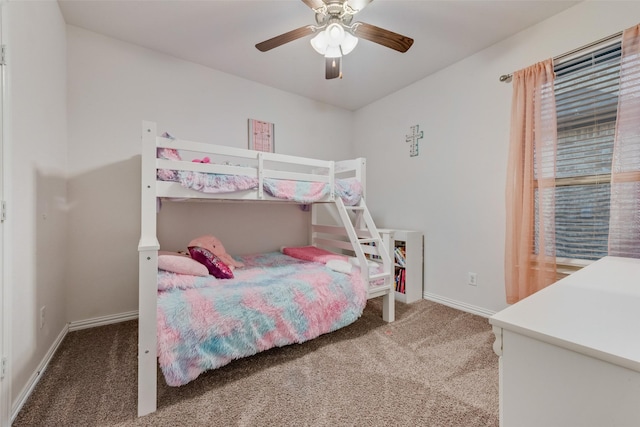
[[222, 35]]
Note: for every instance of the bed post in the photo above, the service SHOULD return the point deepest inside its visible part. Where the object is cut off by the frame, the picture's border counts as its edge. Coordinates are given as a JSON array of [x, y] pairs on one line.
[[361, 174], [389, 306], [147, 276]]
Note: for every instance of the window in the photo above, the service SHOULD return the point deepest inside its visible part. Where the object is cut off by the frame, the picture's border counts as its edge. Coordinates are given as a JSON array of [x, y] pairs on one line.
[[586, 91], [573, 172]]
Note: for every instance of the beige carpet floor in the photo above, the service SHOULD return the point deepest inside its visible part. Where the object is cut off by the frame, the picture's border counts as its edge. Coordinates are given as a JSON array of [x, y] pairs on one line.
[[434, 366]]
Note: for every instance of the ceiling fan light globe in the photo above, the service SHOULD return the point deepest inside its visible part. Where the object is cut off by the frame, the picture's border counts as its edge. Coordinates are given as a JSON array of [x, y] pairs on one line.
[[349, 43], [333, 52], [320, 43], [335, 34]]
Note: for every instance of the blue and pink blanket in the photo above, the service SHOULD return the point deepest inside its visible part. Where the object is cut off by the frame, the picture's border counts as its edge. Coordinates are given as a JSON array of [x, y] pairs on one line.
[[275, 300], [348, 189]]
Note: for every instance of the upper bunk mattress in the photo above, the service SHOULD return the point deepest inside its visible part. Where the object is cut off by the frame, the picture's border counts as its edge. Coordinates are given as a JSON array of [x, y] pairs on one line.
[[348, 189]]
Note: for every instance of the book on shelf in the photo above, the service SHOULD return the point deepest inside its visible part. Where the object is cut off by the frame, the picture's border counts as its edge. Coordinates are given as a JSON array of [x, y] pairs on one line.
[[400, 280], [399, 253]]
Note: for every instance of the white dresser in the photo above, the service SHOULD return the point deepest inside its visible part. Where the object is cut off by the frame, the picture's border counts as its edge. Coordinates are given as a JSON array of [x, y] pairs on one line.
[[570, 353]]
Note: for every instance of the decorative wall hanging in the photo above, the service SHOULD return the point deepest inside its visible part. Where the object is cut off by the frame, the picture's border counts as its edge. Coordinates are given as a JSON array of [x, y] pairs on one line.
[[261, 136], [413, 138]]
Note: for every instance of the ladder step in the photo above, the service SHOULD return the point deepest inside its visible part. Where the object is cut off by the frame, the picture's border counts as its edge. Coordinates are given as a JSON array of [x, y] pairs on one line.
[[379, 290], [379, 276], [372, 240], [362, 216]]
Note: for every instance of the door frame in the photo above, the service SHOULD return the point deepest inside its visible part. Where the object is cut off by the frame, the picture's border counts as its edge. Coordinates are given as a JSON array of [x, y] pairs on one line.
[[5, 292]]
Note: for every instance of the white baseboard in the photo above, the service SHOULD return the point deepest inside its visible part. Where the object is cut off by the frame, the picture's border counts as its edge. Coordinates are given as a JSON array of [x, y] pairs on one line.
[[103, 320], [35, 377], [71, 326], [463, 306]]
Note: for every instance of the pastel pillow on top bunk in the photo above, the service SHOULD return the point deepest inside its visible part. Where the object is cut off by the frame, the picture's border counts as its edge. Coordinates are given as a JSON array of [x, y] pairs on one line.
[[167, 154]]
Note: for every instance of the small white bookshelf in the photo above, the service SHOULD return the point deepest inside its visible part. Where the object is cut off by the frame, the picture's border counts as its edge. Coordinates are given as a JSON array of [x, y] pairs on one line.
[[406, 248]]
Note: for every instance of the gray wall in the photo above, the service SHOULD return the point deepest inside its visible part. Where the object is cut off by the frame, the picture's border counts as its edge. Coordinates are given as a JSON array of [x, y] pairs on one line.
[[453, 190], [36, 229], [113, 86]]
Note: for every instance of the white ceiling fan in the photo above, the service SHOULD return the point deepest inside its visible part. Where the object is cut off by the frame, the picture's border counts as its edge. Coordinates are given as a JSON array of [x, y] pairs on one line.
[[336, 35]]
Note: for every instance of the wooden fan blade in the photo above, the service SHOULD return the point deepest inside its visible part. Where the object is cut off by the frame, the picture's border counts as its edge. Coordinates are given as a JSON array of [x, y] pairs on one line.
[[358, 5], [381, 36], [333, 68], [284, 38], [313, 4]]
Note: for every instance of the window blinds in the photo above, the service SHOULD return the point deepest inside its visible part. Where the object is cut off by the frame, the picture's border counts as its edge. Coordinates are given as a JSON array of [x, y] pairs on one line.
[[624, 227], [586, 90]]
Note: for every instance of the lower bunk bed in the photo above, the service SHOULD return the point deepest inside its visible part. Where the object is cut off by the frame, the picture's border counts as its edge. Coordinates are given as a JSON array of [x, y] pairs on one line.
[[274, 300], [189, 323]]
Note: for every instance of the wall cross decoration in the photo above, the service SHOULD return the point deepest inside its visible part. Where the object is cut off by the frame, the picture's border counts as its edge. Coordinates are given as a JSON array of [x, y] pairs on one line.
[[413, 138]]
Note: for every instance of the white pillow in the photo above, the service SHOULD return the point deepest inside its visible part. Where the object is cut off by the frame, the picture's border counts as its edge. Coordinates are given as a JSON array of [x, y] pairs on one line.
[[181, 264], [340, 266]]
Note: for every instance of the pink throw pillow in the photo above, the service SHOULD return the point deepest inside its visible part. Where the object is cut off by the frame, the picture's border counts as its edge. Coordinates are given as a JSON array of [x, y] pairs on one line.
[[181, 264], [312, 253], [214, 265]]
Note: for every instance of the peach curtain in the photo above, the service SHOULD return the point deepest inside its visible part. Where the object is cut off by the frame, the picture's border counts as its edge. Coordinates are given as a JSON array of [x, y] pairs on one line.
[[530, 192], [624, 220]]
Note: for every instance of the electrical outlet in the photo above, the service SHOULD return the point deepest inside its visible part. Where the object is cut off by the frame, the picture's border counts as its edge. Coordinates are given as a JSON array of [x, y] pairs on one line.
[[473, 279], [42, 315]]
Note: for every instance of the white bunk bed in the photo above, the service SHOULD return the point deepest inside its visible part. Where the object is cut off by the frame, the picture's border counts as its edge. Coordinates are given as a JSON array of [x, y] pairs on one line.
[[352, 230]]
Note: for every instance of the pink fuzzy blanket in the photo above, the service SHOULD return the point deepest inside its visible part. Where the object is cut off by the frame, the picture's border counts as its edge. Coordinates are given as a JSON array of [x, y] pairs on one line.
[[275, 300]]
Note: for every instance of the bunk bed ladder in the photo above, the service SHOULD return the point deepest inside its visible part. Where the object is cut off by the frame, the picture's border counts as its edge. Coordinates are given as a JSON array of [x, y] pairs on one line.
[[365, 240]]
